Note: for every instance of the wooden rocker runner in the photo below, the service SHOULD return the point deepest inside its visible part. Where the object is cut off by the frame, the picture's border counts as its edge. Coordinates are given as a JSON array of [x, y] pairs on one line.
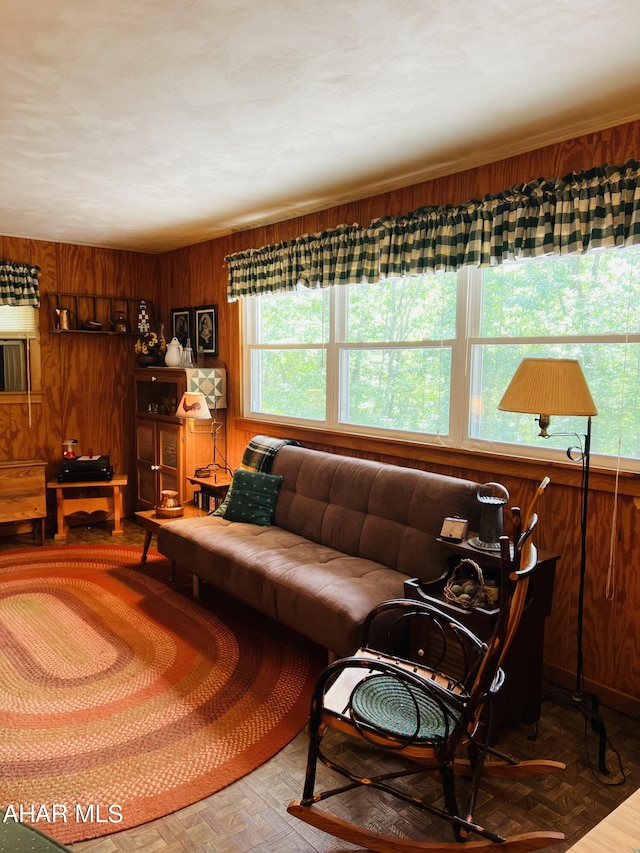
[[427, 718]]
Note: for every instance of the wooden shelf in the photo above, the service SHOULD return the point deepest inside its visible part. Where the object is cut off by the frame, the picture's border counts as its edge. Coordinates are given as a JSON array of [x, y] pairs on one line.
[[92, 306]]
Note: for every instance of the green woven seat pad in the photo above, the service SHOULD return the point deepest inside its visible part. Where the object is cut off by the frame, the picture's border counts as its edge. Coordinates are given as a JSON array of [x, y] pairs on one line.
[[399, 709]]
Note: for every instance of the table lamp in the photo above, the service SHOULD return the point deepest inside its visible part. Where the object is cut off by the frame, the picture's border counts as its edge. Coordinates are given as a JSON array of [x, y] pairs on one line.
[[193, 406]]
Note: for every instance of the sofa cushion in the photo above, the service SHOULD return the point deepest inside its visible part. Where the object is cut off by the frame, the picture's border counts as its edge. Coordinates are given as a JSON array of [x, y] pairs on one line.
[[380, 512], [252, 497], [316, 590]]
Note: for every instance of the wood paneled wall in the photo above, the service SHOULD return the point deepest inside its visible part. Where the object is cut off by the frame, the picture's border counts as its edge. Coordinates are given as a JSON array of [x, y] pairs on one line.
[[612, 627], [88, 393], [86, 378]]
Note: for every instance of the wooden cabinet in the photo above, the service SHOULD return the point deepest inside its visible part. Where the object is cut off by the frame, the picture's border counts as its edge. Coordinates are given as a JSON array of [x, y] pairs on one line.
[[23, 493], [168, 449], [521, 697], [160, 460]]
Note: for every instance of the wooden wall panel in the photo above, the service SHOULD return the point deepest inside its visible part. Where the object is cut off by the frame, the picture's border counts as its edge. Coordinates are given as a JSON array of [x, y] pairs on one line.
[[87, 378]]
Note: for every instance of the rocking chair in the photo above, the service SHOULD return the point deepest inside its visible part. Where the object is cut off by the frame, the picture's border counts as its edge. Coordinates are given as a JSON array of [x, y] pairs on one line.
[[426, 718]]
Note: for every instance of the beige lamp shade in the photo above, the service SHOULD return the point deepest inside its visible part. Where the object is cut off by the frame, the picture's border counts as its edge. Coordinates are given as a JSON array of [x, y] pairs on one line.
[[193, 405], [548, 386]]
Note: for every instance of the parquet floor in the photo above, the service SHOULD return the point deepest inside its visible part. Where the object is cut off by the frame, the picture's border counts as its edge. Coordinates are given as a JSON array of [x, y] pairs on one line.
[[250, 815]]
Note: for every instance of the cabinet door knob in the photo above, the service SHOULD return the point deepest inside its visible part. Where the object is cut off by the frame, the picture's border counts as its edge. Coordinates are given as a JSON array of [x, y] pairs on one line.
[[155, 467], [154, 378]]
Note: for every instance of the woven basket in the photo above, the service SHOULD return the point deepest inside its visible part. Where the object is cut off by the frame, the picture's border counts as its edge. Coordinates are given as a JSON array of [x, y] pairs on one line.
[[468, 573]]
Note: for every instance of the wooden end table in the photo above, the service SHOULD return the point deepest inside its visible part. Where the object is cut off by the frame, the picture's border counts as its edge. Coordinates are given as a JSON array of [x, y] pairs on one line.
[[150, 522], [521, 697], [213, 488], [107, 499]]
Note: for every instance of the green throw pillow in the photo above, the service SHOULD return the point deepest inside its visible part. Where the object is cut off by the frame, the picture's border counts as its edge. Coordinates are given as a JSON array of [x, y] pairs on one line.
[[221, 510], [252, 497]]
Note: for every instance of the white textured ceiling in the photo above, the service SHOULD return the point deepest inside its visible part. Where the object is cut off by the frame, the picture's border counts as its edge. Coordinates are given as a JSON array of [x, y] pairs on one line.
[[154, 124]]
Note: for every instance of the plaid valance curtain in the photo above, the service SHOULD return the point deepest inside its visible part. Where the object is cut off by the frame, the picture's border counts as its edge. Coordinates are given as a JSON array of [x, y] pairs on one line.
[[19, 284], [345, 255], [595, 209]]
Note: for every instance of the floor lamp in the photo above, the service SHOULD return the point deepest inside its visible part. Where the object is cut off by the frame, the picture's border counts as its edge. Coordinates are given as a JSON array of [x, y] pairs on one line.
[[193, 406], [556, 386]]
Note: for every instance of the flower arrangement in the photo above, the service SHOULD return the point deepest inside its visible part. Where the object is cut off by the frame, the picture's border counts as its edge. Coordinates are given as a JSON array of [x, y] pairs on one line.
[[150, 348]]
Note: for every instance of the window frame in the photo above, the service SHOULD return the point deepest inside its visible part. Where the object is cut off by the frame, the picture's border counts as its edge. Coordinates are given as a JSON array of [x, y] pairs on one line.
[[468, 326], [33, 392]]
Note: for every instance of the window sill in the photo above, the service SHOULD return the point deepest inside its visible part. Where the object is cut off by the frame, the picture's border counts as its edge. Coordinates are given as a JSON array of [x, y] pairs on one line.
[[14, 397], [566, 473]]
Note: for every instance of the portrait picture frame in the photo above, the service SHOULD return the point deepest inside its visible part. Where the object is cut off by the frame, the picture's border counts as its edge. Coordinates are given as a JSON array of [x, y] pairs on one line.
[[181, 325], [205, 328]]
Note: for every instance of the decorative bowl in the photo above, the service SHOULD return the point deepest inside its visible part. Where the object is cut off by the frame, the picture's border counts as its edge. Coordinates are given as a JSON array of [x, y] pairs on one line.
[[169, 506], [170, 512]]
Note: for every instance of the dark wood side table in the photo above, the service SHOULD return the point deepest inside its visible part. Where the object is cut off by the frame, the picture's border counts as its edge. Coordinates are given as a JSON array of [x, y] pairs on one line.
[[211, 489], [521, 697]]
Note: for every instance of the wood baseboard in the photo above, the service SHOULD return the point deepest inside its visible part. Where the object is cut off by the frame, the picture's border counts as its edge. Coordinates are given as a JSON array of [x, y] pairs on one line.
[[616, 699]]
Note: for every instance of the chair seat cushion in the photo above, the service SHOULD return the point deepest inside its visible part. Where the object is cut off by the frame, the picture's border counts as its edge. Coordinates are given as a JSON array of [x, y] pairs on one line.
[[393, 706]]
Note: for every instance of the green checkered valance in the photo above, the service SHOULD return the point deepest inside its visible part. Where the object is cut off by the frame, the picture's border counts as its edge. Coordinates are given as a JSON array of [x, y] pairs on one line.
[[595, 209], [345, 255], [19, 284]]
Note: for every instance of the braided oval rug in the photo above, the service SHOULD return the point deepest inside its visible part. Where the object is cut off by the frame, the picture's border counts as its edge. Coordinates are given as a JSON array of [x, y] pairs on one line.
[[122, 701]]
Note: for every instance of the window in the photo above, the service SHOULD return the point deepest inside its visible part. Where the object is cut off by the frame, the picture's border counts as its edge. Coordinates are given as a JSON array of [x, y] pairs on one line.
[[19, 352], [288, 369], [429, 357], [579, 306]]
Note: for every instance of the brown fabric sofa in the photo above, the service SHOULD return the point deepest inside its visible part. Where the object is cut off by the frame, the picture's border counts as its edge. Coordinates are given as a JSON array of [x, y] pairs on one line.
[[346, 534]]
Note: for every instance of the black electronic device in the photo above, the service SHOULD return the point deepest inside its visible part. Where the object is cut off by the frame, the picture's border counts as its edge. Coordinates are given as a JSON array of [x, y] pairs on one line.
[[85, 469]]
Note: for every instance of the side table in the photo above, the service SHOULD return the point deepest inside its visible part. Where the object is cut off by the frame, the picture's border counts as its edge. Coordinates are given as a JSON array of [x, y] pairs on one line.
[[521, 697], [211, 489], [106, 495], [150, 522]]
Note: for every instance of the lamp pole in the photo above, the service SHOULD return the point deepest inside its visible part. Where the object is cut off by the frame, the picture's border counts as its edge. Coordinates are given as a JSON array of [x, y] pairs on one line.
[[597, 723], [592, 714], [586, 459]]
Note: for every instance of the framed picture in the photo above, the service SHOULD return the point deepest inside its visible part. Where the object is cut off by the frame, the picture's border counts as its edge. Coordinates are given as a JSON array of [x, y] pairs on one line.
[[181, 325], [205, 322]]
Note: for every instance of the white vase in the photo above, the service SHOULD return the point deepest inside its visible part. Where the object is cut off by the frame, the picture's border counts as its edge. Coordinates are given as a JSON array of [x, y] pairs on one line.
[[173, 357]]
